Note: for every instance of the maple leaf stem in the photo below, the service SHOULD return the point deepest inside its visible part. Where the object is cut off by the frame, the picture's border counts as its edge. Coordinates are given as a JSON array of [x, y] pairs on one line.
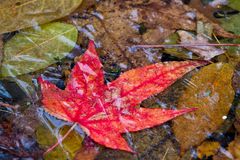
[[60, 139], [186, 45]]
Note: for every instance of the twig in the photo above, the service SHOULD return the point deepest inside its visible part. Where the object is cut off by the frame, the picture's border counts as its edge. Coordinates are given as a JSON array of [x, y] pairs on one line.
[[8, 105], [165, 154], [226, 54], [186, 45], [60, 139]]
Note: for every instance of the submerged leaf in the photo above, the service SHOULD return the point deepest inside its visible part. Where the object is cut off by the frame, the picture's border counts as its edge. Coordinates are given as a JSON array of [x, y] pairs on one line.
[[178, 51], [234, 148], [235, 4], [207, 149], [34, 49], [68, 149], [231, 23], [156, 19], [207, 52], [1, 49], [211, 92], [15, 15], [105, 111]]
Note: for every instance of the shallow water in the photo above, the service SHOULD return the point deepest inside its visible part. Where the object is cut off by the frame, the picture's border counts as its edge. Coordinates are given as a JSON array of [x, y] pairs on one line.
[[27, 130]]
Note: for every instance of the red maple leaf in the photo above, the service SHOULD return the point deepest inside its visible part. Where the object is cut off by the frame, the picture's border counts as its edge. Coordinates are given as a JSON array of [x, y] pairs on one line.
[[105, 111]]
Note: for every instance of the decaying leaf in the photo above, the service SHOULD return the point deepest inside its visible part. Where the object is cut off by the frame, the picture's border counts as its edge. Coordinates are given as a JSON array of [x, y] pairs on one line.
[[207, 149], [86, 154], [1, 49], [37, 48], [207, 52], [69, 146], [211, 92], [234, 148], [205, 14], [216, 3], [179, 52], [235, 4], [231, 23], [19, 14], [137, 22], [107, 111], [232, 54]]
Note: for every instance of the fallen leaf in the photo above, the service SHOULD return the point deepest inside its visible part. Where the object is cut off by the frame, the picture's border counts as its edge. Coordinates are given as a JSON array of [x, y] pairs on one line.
[[211, 92], [179, 52], [207, 149], [86, 154], [204, 29], [221, 156], [232, 54], [107, 111], [17, 142], [141, 22], [1, 49], [235, 4], [234, 148], [207, 52], [216, 3], [231, 23], [21, 14], [34, 49], [70, 145]]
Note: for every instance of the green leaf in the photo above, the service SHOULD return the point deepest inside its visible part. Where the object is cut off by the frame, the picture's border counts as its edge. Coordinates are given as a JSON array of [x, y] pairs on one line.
[[210, 90], [178, 52], [232, 52], [231, 23], [235, 4], [19, 14], [67, 150], [34, 49]]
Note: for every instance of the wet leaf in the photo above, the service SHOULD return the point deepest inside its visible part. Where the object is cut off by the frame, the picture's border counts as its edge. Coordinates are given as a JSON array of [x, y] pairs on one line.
[[16, 142], [86, 154], [206, 52], [105, 111], [37, 48], [178, 52], [68, 149], [232, 54], [207, 149], [235, 4], [204, 29], [231, 23], [141, 22], [211, 92], [1, 49], [234, 148], [19, 14], [217, 3]]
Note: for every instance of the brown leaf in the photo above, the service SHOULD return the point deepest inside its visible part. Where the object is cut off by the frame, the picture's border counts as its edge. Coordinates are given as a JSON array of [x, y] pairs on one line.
[[86, 154], [207, 52], [205, 14], [1, 49], [138, 21], [135, 22], [234, 148], [211, 92], [207, 149]]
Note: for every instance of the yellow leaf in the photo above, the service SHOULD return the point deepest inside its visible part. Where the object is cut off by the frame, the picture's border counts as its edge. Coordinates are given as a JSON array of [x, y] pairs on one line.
[[207, 149], [19, 14], [210, 91]]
